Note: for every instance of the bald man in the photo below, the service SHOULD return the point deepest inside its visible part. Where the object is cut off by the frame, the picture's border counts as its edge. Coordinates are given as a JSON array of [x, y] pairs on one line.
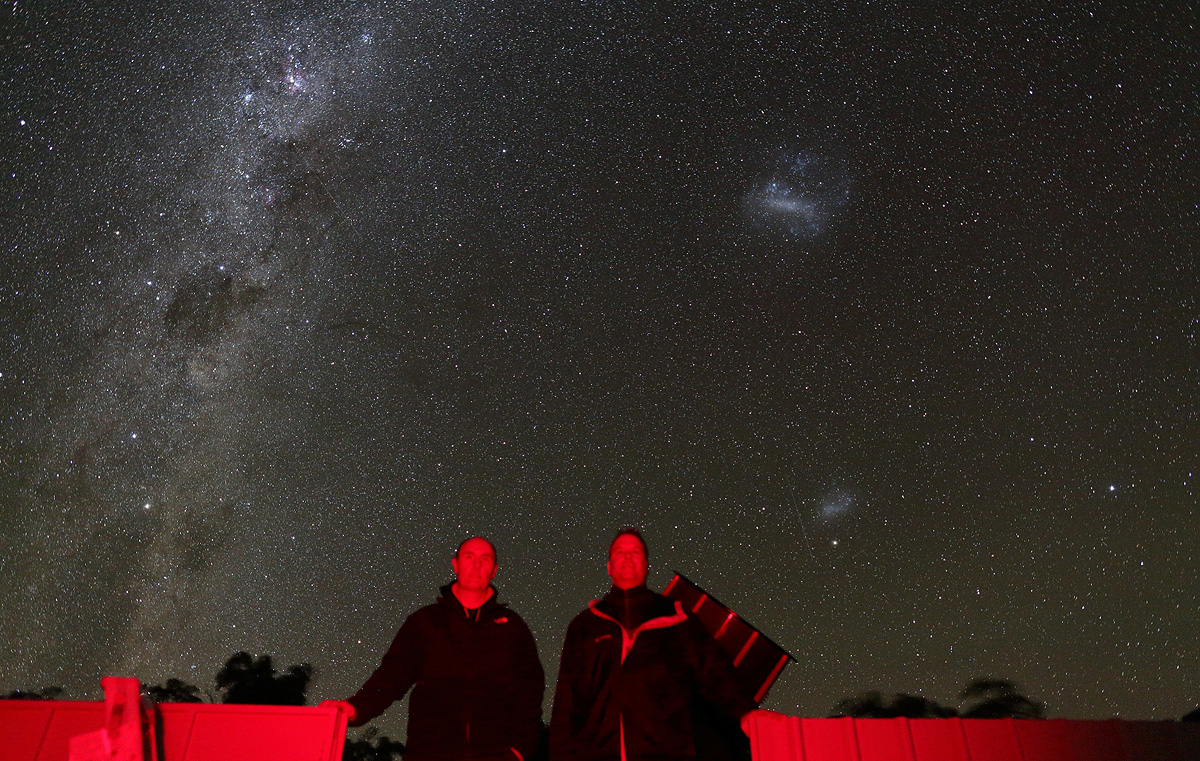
[[473, 668]]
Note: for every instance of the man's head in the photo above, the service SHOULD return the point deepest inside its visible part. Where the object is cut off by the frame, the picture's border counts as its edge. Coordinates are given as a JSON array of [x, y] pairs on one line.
[[475, 564], [628, 559]]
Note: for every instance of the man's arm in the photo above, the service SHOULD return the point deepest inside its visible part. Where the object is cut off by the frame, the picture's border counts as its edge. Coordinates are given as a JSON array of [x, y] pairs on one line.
[[715, 677], [529, 684], [564, 719], [396, 673]]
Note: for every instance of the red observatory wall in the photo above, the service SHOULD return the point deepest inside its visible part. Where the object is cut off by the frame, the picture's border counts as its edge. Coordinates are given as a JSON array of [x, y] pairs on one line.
[[36, 730], [774, 737], [42, 730]]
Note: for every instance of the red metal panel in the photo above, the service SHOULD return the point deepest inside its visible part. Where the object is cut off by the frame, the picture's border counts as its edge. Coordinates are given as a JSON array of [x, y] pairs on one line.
[[41, 731], [1151, 740], [66, 722], [884, 740], [938, 740], [25, 725], [829, 739], [778, 738], [1189, 739], [1095, 740], [775, 737], [991, 740], [177, 724], [1044, 740], [259, 733]]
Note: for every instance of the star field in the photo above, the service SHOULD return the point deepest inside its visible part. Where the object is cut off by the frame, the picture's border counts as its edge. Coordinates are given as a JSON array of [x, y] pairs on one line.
[[883, 324]]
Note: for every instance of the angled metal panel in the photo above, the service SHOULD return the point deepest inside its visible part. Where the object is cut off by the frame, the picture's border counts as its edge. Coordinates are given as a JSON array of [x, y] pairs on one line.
[[757, 660]]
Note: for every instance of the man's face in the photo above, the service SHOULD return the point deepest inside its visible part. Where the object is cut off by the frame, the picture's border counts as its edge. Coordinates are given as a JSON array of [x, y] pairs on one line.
[[627, 562], [475, 565]]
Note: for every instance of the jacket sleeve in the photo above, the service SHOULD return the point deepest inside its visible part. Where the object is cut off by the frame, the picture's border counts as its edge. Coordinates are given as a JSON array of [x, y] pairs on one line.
[[568, 713], [395, 675], [715, 678], [529, 685]]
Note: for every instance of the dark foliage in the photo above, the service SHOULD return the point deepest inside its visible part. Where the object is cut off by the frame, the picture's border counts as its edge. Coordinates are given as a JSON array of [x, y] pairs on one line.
[[245, 679], [46, 693], [984, 699], [873, 705], [174, 691], [373, 747], [998, 699]]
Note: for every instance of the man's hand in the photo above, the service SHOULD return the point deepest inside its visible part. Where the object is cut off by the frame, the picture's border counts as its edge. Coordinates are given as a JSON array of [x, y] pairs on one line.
[[341, 705]]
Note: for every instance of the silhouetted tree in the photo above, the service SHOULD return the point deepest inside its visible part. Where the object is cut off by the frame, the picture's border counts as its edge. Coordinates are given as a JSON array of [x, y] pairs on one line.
[[873, 705], [1193, 716], [372, 747], [998, 699], [174, 691], [246, 679], [46, 693], [986, 699]]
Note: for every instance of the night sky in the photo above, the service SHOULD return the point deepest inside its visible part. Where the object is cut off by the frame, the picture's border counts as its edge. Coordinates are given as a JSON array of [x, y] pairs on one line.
[[883, 323]]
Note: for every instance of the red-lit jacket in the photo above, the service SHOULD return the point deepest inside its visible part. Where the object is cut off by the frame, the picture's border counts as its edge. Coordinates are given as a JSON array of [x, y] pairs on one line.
[[476, 679], [631, 665]]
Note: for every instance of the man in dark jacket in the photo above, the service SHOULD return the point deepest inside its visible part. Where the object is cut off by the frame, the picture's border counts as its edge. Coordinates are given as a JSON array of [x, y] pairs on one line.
[[632, 663], [478, 681]]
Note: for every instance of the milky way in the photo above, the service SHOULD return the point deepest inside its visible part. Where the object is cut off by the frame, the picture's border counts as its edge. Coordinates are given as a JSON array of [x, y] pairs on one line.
[[188, 352], [858, 315]]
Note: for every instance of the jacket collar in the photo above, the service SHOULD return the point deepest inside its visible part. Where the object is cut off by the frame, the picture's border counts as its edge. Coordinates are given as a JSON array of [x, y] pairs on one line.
[[446, 597], [628, 638]]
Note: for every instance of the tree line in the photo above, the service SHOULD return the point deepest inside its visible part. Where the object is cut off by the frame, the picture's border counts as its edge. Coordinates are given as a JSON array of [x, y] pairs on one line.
[[982, 699]]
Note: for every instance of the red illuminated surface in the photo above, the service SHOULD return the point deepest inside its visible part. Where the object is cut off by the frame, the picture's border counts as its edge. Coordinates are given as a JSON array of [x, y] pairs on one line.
[[36, 730], [774, 737], [43, 730]]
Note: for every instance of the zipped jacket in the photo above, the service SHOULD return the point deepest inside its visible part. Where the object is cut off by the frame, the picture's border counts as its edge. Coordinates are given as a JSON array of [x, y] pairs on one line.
[[632, 665], [476, 682]]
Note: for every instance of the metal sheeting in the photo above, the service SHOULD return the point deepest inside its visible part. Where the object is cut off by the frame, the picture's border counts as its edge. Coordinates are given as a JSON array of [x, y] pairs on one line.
[[775, 737], [43, 730], [757, 660]]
